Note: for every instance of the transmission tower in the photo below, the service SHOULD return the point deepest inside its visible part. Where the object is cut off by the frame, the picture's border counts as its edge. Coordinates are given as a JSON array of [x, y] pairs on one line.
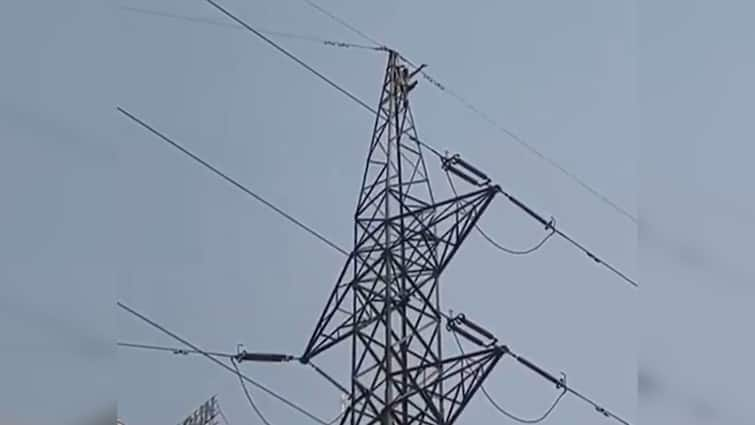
[[386, 299]]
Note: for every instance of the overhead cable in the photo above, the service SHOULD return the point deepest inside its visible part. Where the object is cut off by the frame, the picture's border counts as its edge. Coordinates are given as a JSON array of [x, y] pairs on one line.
[[311, 69], [345, 24], [232, 181], [272, 33], [495, 243], [313, 232], [485, 117], [249, 396], [222, 415], [246, 378], [374, 111], [582, 183], [559, 383], [513, 417], [173, 350], [503, 411], [549, 225], [514, 251], [292, 56]]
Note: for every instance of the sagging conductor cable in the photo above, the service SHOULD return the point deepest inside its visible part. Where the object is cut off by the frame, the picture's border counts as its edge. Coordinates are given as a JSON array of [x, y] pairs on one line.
[[465, 171], [239, 357], [504, 411], [550, 224], [246, 378], [248, 395], [495, 243], [560, 383]]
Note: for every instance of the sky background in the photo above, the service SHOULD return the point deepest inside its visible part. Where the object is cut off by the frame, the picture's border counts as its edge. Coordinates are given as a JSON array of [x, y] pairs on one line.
[[696, 95], [96, 209]]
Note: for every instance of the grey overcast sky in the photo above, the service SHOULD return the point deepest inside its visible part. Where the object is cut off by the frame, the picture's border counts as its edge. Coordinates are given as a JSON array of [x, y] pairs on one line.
[[96, 209], [696, 97]]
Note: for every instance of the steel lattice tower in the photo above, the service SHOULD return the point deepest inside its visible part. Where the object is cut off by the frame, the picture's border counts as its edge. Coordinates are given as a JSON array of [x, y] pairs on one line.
[[386, 300]]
